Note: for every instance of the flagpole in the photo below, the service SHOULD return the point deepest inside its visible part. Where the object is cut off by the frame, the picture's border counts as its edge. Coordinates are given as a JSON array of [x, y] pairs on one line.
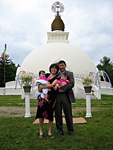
[[4, 79], [4, 72], [4, 66], [3, 56]]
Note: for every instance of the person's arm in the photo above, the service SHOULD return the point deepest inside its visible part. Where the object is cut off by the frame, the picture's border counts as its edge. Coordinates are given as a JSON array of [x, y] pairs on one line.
[[48, 86], [63, 84]]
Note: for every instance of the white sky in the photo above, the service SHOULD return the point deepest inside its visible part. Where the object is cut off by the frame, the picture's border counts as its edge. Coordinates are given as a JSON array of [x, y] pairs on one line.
[[24, 25]]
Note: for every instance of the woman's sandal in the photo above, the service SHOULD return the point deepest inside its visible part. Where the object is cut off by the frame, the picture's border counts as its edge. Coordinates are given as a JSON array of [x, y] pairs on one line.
[[51, 136], [41, 136]]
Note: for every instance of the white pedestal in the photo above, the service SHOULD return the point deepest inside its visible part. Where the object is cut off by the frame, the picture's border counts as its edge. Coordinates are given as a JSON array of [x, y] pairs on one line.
[[88, 105], [27, 105], [22, 94]]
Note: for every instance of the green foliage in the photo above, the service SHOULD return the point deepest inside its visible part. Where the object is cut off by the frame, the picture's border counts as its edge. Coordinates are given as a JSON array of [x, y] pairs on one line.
[[87, 81], [10, 70], [26, 79], [107, 66]]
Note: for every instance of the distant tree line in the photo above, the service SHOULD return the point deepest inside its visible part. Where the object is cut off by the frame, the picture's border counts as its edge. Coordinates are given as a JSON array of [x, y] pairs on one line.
[[10, 70], [107, 66]]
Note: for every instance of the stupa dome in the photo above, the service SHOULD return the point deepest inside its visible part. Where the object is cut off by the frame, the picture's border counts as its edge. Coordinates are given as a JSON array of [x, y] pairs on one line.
[[58, 48], [41, 58]]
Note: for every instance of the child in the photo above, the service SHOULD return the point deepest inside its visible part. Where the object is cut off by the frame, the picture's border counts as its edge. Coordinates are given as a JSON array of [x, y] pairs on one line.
[[62, 82], [42, 80]]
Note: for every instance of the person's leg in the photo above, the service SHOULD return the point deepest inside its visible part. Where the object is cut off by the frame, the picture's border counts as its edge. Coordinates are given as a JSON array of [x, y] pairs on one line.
[[68, 114], [41, 120], [50, 128], [46, 97], [58, 114]]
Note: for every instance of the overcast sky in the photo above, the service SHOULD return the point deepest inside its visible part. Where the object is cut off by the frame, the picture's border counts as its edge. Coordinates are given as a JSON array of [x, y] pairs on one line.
[[24, 25]]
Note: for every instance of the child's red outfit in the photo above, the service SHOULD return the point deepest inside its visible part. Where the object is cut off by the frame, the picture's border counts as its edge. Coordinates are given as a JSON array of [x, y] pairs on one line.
[[60, 84]]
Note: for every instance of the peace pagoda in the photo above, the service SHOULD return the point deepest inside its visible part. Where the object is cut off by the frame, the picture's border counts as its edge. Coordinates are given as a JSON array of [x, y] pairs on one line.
[[58, 48]]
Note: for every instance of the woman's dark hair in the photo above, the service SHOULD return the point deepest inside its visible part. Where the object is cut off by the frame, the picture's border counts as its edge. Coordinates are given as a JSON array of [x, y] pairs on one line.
[[47, 75], [52, 66]]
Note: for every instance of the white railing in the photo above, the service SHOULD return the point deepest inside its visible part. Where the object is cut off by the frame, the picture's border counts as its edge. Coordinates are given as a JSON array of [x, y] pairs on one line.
[[78, 90], [11, 91], [107, 91], [105, 84], [78, 81], [97, 92]]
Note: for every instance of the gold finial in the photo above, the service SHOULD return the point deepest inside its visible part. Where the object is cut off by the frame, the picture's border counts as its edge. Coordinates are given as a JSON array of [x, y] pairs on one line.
[[57, 23]]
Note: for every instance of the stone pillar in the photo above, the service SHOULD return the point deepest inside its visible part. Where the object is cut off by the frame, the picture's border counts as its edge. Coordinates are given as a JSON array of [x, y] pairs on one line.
[[22, 94], [27, 105], [88, 105]]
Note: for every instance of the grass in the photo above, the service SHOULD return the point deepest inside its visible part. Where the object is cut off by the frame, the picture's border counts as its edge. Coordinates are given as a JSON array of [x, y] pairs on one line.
[[14, 100], [106, 99], [18, 133]]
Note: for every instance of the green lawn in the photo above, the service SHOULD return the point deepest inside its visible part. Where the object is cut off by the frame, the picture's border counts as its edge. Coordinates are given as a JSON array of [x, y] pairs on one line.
[[18, 133], [12, 100], [106, 99]]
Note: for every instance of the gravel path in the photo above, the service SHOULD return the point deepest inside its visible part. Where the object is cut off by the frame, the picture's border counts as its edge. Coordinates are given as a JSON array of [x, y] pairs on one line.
[[20, 111]]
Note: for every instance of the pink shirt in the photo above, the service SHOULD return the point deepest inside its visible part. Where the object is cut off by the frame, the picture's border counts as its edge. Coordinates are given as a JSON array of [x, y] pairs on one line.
[[43, 78], [66, 81]]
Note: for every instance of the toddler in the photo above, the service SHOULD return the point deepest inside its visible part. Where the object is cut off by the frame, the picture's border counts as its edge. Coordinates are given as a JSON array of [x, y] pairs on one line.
[[42, 80], [62, 82]]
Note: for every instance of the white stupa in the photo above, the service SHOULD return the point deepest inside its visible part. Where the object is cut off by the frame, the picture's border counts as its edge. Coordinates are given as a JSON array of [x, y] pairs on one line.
[[58, 48]]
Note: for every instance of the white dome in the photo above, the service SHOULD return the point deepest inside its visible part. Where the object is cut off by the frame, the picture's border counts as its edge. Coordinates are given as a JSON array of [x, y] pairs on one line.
[[41, 58]]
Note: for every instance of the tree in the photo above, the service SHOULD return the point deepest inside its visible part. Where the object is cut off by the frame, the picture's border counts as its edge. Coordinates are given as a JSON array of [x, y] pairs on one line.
[[10, 70], [107, 66]]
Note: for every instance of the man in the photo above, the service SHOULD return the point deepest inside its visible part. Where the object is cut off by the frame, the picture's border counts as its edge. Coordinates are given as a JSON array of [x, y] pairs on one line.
[[65, 98]]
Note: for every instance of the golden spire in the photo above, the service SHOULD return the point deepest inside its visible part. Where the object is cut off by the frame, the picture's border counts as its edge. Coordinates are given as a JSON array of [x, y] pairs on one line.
[[57, 23]]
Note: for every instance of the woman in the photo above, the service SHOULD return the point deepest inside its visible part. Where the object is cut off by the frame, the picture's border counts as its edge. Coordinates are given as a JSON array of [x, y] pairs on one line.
[[46, 109]]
